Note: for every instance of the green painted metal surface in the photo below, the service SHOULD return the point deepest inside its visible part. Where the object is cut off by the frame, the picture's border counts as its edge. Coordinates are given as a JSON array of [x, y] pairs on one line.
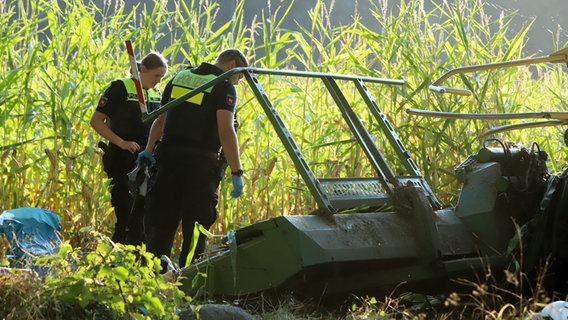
[[343, 253], [417, 241]]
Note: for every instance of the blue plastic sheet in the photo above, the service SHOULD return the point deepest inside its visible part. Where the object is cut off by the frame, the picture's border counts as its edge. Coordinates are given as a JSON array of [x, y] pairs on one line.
[[31, 232]]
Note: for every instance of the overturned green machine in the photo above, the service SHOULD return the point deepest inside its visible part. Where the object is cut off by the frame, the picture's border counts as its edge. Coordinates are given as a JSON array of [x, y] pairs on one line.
[[404, 236]]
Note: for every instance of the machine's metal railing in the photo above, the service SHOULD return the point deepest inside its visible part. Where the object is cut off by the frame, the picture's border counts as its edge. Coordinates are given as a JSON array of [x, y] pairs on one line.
[[554, 118], [341, 193], [560, 56]]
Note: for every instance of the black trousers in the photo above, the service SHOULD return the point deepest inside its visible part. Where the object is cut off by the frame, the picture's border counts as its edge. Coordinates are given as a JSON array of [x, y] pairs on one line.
[[185, 190], [117, 163]]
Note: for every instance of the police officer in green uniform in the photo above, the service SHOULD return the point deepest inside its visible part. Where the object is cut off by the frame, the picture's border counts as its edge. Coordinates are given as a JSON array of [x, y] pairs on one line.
[[193, 135], [117, 118]]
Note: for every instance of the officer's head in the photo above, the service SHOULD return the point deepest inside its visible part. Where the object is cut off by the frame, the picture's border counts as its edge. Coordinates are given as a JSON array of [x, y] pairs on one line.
[[152, 69], [232, 58]]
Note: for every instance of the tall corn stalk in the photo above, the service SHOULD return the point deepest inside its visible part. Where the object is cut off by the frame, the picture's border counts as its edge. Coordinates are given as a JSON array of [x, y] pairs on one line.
[[57, 60]]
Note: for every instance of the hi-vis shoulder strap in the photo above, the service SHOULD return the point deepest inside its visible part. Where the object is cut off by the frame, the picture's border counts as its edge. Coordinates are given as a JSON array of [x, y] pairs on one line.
[[132, 94]]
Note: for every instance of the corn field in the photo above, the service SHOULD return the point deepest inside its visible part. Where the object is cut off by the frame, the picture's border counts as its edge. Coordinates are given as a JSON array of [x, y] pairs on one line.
[[56, 61]]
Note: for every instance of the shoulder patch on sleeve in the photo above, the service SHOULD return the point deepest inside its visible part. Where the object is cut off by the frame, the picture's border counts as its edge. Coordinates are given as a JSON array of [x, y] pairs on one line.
[[231, 99], [102, 101]]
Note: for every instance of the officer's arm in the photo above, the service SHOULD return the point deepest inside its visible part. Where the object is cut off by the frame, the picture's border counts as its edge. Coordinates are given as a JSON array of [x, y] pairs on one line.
[[155, 132], [98, 122], [228, 137]]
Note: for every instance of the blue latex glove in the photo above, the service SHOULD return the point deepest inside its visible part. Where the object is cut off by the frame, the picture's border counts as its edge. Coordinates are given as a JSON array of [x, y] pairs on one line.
[[237, 186], [145, 156]]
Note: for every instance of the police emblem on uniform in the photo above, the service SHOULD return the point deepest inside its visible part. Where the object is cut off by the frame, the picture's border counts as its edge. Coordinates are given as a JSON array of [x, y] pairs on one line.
[[230, 99], [102, 101]]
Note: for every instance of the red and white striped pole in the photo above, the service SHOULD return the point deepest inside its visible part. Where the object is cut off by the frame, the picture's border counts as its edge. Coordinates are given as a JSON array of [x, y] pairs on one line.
[[136, 76]]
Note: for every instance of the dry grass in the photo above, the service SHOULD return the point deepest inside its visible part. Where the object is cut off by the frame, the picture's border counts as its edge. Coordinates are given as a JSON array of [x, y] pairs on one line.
[[48, 155]]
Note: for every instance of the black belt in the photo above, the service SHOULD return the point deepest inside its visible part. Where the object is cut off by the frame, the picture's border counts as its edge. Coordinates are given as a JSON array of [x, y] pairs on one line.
[[171, 147]]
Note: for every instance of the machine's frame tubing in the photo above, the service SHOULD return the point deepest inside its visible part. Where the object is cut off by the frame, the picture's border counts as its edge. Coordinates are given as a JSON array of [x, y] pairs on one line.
[[312, 182], [557, 118], [174, 103], [383, 170], [560, 56], [300, 162], [489, 116], [516, 126]]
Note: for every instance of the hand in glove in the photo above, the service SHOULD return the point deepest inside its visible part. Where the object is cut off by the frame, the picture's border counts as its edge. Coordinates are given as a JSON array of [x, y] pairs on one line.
[[237, 186], [146, 156]]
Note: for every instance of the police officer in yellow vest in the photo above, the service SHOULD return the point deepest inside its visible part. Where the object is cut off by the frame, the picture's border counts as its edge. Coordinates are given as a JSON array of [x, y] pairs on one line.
[[118, 119], [193, 135]]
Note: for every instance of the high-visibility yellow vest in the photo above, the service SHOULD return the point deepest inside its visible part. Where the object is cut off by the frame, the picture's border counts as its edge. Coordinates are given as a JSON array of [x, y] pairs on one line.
[[152, 97], [185, 81]]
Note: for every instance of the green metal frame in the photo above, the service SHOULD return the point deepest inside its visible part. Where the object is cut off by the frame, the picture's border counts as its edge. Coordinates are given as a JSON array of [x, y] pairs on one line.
[[560, 56], [557, 118], [320, 188]]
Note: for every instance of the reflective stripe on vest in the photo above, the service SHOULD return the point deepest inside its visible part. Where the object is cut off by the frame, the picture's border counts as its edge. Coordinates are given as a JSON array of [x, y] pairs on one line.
[[132, 95], [186, 81]]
